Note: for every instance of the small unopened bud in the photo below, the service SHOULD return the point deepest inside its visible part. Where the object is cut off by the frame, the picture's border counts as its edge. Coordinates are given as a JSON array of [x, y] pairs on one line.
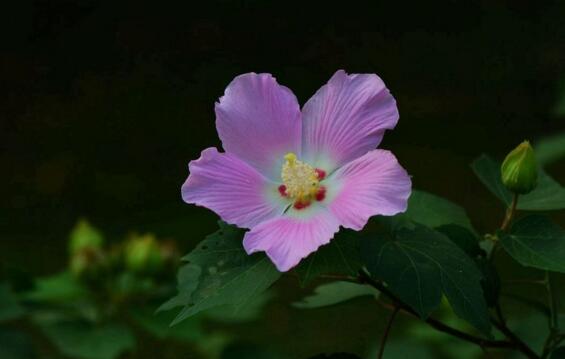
[[519, 170], [84, 236], [143, 254], [87, 263]]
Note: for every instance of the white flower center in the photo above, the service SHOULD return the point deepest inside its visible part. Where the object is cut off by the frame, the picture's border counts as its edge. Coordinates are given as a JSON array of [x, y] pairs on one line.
[[301, 182]]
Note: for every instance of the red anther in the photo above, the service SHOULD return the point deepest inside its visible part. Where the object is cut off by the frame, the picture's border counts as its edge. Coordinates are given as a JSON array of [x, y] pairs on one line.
[[282, 190], [321, 194], [321, 174], [301, 205]]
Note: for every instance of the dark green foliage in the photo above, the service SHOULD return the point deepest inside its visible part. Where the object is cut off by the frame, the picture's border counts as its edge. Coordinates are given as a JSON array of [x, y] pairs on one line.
[[490, 281], [551, 148], [463, 238], [159, 325], [420, 265], [340, 256], [89, 341], [548, 195], [468, 242], [334, 293], [219, 272], [15, 344], [535, 241], [61, 287], [434, 211], [558, 353], [10, 307]]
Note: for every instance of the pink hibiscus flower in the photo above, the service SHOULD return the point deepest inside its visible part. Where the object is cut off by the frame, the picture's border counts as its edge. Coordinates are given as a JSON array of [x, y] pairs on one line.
[[293, 177]]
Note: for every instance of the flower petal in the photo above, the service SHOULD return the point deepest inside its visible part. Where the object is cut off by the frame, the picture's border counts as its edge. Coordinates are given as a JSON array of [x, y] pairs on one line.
[[259, 121], [346, 118], [374, 184], [292, 237], [231, 188]]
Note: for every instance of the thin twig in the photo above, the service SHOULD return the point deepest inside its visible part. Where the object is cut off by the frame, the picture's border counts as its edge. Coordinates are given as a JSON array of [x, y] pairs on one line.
[[485, 343], [387, 331], [513, 341], [519, 344], [436, 324], [501, 325]]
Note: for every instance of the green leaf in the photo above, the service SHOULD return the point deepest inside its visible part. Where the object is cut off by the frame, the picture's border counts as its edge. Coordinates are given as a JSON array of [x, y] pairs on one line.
[[445, 345], [84, 340], [550, 149], [187, 281], [158, 324], [191, 330], [463, 238], [213, 345], [558, 353], [341, 256], [488, 171], [10, 308], [334, 293], [535, 241], [228, 275], [129, 284], [548, 195], [468, 242], [15, 344], [530, 327], [62, 287], [419, 265], [490, 282], [433, 211], [251, 311]]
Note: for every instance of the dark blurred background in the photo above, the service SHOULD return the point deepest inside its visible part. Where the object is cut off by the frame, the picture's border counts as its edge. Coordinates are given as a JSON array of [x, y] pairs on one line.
[[104, 103]]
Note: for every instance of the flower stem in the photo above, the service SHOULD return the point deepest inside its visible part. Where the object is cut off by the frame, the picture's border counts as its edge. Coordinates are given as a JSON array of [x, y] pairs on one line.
[[513, 341], [510, 213], [387, 331], [519, 344]]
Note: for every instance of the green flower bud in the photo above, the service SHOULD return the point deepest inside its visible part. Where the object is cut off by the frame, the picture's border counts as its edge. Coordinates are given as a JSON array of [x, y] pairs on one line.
[[519, 169], [143, 254], [87, 263], [84, 236]]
